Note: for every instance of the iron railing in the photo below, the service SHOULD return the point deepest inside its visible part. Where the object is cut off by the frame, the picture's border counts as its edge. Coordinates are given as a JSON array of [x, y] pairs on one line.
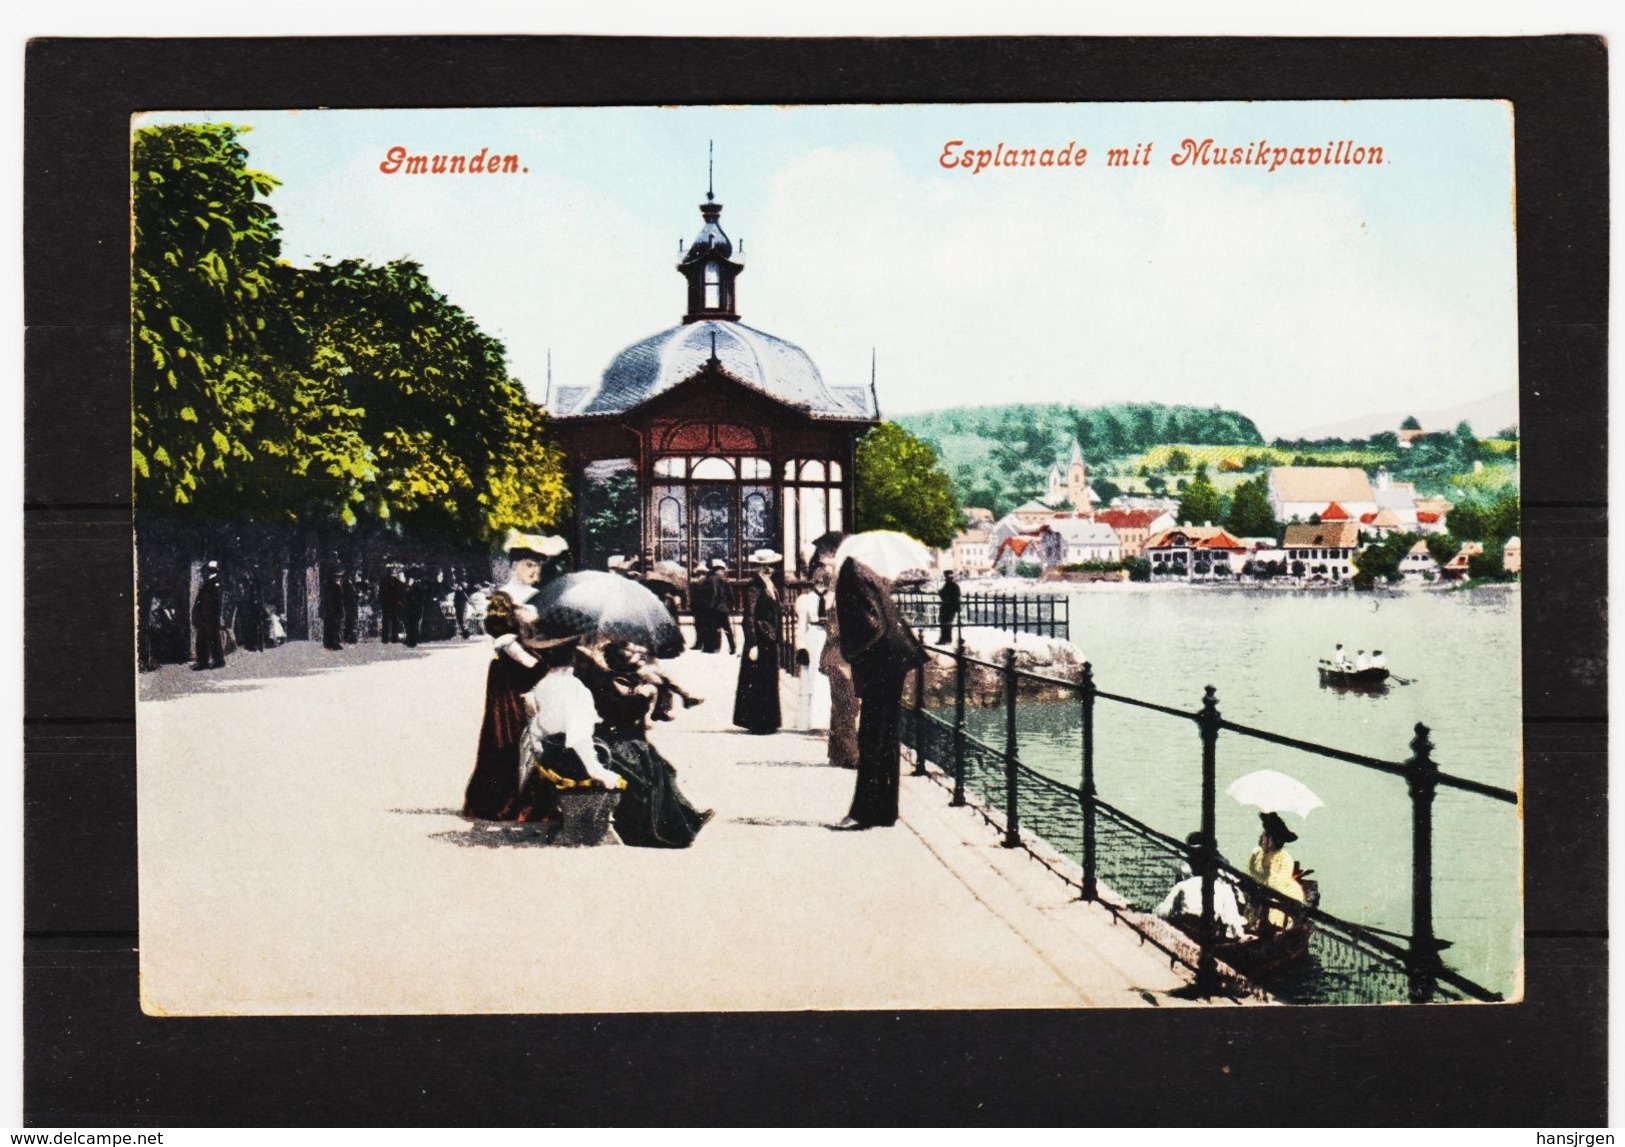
[[1128, 866], [1046, 614]]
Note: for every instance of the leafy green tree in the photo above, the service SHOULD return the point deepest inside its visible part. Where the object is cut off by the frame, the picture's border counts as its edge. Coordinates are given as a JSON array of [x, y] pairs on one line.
[[1250, 513], [1505, 517], [1381, 560], [1464, 432], [1105, 489], [1468, 520], [205, 243], [1410, 423], [1489, 565], [1178, 462], [1200, 502], [899, 485]]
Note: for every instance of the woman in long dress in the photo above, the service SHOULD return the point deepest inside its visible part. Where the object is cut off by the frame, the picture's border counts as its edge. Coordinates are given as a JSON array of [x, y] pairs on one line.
[[844, 706], [652, 812], [493, 789], [813, 699], [756, 703]]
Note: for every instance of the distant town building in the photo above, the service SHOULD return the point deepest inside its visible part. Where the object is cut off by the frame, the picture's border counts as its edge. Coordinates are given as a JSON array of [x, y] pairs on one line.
[[1195, 552], [1418, 564], [970, 552], [1326, 550], [1456, 568], [1031, 514], [1135, 527], [1085, 540], [1399, 497], [1302, 492], [1512, 555]]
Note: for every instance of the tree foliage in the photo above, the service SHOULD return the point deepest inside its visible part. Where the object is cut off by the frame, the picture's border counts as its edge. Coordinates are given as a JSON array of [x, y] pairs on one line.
[[1200, 502], [1251, 515], [205, 246], [346, 393], [899, 485], [1381, 560]]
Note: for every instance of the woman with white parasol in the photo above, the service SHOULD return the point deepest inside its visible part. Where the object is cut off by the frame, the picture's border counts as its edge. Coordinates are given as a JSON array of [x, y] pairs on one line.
[[1270, 864]]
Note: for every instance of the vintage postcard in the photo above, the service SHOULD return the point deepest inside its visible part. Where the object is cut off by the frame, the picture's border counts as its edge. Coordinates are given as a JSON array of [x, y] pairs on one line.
[[671, 559]]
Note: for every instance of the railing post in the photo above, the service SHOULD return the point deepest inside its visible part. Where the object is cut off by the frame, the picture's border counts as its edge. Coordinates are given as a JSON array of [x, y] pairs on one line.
[[1422, 777], [919, 716], [960, 668], [1207, 974], [1012, 821], [1086, 696]]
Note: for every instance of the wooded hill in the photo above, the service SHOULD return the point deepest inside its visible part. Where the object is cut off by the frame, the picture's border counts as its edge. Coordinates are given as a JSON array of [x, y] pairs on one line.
[[998, 456]]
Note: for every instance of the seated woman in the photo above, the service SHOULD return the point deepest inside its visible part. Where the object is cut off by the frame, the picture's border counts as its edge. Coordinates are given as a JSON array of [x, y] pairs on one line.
[[652, 813], [558, 753], [1272, 866]]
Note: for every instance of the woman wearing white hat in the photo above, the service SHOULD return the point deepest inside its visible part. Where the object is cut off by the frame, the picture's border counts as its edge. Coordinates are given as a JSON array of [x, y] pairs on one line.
[[493, 790], [756, 703]]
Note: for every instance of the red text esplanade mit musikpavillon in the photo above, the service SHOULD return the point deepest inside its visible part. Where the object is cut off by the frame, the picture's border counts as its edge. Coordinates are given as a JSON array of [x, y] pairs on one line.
[[1261, 154]]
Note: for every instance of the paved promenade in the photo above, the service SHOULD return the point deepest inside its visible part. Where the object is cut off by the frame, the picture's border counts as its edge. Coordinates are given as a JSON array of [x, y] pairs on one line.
[[301, 853]]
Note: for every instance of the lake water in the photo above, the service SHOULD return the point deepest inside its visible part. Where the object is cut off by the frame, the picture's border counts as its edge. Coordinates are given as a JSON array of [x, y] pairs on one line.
[[1461, 652]]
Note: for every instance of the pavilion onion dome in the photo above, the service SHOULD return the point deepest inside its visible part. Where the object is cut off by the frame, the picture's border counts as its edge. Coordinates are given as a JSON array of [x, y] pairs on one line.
[[760, 361], [710, 270], [712, 242]]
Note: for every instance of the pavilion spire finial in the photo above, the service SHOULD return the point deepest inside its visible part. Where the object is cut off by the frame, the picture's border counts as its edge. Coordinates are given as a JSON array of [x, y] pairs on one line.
[[874, 395], [710, 170]]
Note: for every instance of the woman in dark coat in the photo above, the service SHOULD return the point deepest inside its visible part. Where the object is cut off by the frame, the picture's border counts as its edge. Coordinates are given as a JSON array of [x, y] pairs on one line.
[[756, 703], [493, 790], [882, 651]]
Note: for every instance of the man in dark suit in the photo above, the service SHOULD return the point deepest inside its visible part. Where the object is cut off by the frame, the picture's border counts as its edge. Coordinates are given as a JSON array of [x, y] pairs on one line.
[[722, 606], [391, 597], [206, 620], [333, 608], [706, 638], [412, 604], [882, 650], [949, 609]]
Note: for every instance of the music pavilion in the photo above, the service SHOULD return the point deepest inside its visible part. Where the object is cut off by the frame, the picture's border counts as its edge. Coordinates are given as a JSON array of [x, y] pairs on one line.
[[732, 437]]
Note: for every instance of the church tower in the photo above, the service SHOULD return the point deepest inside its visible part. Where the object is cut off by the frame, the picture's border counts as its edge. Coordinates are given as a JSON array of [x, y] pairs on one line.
[[1077, 479]]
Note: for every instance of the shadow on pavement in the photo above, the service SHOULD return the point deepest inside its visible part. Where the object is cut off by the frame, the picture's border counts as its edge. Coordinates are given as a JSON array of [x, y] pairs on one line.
[[244, 670]]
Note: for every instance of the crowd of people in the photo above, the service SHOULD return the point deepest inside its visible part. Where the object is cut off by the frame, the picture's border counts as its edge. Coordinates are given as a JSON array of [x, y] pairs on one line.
[[230, 612], [565, 712], [564, 716]]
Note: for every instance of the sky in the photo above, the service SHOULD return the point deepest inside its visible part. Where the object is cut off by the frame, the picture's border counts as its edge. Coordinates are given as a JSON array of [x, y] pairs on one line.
[[1302, 297]]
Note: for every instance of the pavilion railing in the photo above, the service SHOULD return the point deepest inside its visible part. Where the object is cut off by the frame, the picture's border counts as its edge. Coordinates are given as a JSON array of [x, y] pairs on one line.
[[1128, 866]]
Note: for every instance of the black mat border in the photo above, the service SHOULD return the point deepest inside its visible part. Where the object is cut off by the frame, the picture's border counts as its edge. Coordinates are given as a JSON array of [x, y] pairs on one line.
[[92, 1057]]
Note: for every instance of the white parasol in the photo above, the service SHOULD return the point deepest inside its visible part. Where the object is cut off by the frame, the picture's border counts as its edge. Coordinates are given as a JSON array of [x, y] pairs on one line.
[[1270, 791], [887, 552]]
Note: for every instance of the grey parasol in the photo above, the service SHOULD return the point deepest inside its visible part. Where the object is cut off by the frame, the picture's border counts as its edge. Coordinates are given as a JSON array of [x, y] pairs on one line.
[[604, 606]]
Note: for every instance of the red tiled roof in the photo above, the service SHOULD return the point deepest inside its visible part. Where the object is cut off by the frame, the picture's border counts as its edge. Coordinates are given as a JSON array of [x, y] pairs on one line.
[[1367, 519], [1426, 516], [1128, 519], [1334, 513]]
